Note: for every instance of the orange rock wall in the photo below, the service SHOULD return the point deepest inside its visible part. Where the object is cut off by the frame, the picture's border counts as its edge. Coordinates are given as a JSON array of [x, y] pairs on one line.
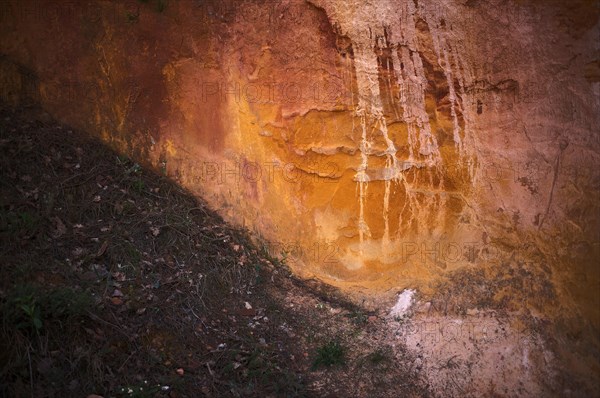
[[380, 143]]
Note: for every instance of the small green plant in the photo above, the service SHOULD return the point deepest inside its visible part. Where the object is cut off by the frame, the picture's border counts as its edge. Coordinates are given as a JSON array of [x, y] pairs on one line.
[[289, 385], [13, 222], [133, 256], [121, 160], [65, 303], [161, 5], [330, 354], [132, 18], [401, 319], [28, 221], [28, 307], [378, 357], [358, 317], [258, 271], [281, 261], [284, 257], [259, 366], [138, 186], [135, 169], [21, 309], [31, 310]]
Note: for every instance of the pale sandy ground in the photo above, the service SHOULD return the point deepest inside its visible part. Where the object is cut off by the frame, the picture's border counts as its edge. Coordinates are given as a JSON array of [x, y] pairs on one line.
[[484, 354]]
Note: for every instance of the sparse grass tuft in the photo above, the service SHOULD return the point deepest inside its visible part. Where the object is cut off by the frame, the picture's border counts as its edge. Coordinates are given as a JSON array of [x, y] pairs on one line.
[[358, 317], [161, 5], [132, 18], [28, 307], [379, 356], [330, 354]]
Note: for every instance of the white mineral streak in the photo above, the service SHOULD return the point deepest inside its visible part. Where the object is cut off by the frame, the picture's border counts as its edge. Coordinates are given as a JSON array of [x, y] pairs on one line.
[[411, 79], [389, 24], [368, 102], [450, 52]]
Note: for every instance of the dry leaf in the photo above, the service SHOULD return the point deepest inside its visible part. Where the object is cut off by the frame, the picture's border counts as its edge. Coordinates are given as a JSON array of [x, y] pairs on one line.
[[119, 276], [246, 312], [102, 249], [116, 301], [60, 228], [78, 252]]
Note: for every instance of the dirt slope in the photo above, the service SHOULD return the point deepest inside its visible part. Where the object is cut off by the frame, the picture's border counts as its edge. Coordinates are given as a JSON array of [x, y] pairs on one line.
[[116, 282]]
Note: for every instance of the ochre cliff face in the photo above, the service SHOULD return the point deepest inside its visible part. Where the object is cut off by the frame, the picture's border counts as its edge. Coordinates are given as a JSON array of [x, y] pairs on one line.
[[381, 143]]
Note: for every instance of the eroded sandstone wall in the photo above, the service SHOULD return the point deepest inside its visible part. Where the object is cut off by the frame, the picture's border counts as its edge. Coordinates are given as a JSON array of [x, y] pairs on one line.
[[382, 143]]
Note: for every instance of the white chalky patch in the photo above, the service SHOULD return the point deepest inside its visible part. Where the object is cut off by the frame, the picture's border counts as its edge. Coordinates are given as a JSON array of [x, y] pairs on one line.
[[405, 301]]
